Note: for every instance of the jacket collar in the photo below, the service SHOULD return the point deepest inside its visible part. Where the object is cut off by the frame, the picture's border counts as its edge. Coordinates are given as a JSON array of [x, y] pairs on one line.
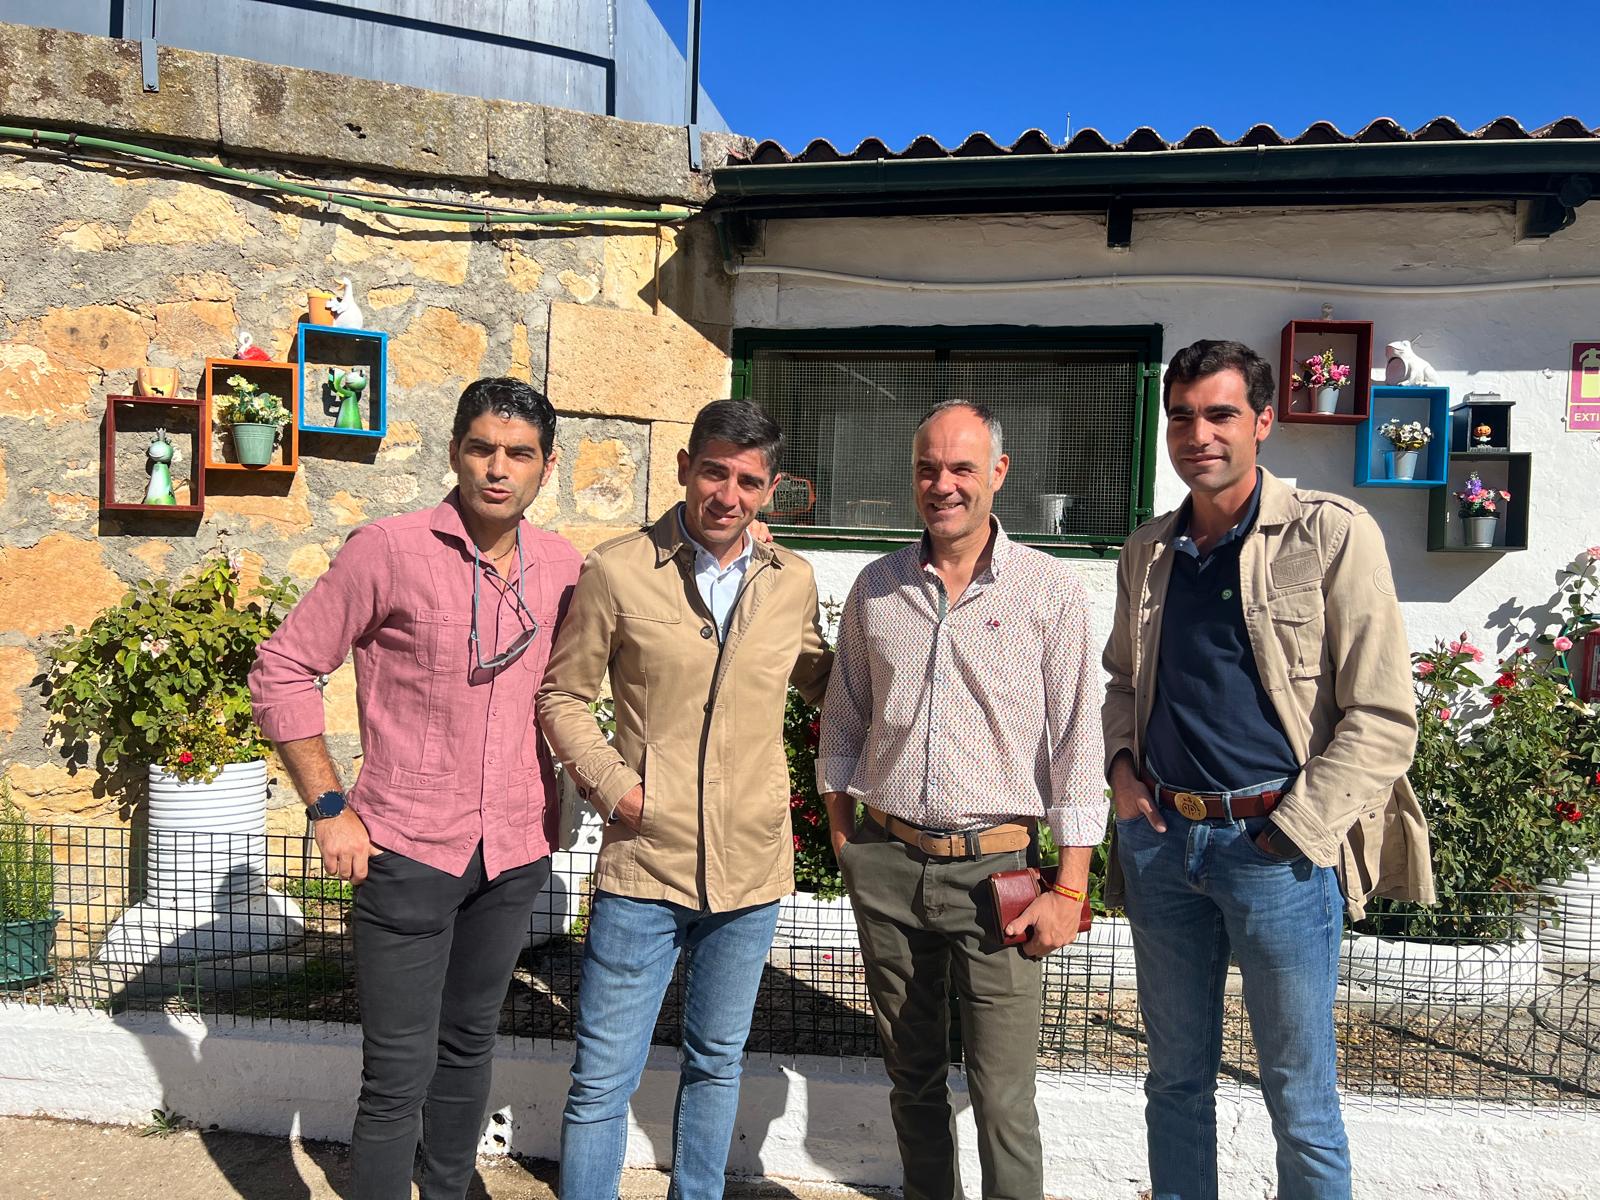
[[668, 538], [446, 520], [1277, 505]]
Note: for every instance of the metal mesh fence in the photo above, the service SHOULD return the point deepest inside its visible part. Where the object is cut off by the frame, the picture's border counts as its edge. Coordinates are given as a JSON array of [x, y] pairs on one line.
[[1506, 1009], [848, 419]]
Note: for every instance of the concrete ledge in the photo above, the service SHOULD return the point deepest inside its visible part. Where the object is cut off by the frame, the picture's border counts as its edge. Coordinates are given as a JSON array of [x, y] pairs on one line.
[[56, 79], [799, 1118], [290, 112], [52, 77]]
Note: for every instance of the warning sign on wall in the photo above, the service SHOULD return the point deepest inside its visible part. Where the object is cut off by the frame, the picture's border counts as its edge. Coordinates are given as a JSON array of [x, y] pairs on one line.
[[1583, 389]]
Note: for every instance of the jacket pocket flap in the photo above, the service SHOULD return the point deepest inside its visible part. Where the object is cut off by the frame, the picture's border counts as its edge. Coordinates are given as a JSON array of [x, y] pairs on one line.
[[1295, 608]]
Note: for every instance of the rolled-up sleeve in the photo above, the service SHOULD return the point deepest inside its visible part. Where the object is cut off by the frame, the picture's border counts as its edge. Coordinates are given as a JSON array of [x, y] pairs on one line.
[[1072, 701], [350, 601]]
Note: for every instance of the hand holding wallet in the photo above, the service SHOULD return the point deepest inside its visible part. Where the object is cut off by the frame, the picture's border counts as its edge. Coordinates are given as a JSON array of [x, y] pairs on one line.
[[1012, 892]]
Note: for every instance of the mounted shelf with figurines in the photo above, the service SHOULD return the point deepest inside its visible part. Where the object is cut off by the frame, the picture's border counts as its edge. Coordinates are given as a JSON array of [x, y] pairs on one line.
[[1481, 423], [249, 407], [1325, 372], [1403, 443], [150, 459], [343, 381]]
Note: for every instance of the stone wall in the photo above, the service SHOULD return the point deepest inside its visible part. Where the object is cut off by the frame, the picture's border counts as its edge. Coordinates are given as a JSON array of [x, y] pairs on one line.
[[105, 268]]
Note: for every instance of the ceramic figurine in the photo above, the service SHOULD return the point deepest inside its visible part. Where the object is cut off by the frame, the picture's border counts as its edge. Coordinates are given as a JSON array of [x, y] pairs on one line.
[[162, 454], [1406, 368], [346, 314], [348, 386], [248, 351]]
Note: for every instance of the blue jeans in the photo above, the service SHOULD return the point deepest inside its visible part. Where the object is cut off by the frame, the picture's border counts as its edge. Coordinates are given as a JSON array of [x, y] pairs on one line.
[[627, 965], [1195, 893]]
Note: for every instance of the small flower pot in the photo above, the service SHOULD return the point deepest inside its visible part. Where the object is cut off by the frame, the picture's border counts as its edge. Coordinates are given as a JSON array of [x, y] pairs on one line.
[[1480, 531], [155, 381], [25, 950], [253, 443], [1327, 400], [317, 308], [1403, 463]]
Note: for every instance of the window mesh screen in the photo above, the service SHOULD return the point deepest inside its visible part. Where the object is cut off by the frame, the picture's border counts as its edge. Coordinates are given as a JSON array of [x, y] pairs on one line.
[[848, 418]]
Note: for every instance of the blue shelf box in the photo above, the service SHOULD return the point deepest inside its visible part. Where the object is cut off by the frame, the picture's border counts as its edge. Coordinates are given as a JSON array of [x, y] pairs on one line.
[[320, 347], [1431, 406]]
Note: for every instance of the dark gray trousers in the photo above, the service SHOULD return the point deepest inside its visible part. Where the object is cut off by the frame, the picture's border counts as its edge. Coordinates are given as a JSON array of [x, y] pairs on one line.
[[434, 956]]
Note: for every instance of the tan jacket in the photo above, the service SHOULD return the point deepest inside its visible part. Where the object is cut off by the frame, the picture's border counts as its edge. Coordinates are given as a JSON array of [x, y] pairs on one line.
[[1324, 624], [700, 724]]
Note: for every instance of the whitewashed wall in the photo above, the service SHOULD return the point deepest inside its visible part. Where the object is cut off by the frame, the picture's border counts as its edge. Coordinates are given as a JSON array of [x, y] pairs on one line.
[[1515, 343]]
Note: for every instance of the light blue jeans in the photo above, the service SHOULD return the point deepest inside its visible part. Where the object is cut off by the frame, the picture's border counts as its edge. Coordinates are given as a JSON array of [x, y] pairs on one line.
[[632, 948], [1195, 893]]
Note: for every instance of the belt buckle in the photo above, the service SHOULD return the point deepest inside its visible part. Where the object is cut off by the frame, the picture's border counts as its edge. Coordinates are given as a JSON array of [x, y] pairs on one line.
[[1190, 805]]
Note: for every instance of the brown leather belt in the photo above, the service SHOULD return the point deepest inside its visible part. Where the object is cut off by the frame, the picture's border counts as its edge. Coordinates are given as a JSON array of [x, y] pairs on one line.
[[964, 844], [1210, 806]]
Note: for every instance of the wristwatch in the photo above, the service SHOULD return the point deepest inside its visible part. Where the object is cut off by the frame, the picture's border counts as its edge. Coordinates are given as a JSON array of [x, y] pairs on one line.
[[329, 804]]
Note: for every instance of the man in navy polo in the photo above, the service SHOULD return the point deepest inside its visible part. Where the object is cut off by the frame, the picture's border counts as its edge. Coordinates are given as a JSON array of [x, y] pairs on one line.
[[1258, 725]]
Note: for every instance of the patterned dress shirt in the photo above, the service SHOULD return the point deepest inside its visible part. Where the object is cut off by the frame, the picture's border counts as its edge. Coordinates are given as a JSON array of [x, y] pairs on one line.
[[965, 714]]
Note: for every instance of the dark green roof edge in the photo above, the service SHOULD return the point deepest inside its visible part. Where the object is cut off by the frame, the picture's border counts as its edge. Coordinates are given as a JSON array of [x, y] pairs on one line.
[[1256, 169]]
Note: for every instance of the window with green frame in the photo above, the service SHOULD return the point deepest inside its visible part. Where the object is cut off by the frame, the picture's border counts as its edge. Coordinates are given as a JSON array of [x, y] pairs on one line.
[[1078, 407]]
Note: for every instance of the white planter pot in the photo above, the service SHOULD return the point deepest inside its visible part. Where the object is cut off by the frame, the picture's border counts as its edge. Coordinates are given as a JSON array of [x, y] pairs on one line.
[[1500, 974], [1327, 400], [1480, 531], [1403, 463], [804, 920], [206, 874], [1568, 923]]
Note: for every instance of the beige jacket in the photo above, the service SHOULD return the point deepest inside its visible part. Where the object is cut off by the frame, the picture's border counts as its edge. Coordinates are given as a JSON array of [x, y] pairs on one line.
[[698, 723], [1325, 627]]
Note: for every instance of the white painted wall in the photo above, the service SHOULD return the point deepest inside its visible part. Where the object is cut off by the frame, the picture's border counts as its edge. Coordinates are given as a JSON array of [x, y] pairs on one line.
[[1516, 344], [805, 1118]]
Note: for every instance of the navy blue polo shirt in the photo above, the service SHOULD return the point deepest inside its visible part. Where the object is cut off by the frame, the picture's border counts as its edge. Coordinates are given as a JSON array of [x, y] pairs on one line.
[[1212, 726]]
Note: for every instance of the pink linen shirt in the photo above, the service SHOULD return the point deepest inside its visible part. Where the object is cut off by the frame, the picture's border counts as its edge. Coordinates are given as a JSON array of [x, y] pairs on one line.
[[451, 754]]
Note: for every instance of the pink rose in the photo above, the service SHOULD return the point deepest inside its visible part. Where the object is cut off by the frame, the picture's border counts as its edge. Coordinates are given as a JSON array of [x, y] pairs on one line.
[[1477, 655], [1424, 668], [1594, 553], [1563, 643], [1444, 714]]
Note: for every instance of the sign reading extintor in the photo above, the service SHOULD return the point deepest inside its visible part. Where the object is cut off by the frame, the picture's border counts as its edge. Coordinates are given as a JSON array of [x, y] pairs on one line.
[[1583, 389]]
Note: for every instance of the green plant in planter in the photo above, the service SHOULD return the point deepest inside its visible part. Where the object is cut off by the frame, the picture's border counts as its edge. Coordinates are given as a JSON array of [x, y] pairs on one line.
[[161, 677], [1505, 771], [246, 404], [27, 876]]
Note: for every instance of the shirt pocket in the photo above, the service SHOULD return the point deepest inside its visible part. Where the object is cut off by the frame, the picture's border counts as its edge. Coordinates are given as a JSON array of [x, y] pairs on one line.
[[441, 640], [1299, 624]]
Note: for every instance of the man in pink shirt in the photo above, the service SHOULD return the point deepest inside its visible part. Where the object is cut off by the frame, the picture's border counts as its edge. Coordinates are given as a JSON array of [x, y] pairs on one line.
[[447, 833]]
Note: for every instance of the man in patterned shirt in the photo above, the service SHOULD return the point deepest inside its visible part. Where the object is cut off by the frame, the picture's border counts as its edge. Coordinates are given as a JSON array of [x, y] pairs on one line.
[[963, 708]]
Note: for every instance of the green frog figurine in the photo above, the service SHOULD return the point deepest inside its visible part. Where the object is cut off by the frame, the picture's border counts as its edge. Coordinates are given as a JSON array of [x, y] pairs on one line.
[[162, 455], [348, 386]]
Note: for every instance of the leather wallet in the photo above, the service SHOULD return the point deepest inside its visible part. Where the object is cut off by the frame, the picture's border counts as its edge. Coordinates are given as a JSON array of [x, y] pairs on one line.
[[1012, 892]]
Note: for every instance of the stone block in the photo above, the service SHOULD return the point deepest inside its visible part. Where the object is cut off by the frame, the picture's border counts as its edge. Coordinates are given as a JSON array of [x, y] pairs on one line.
[[104, 337], [191, 214], [50, 791], [604, 156], [626, 364], [604, 474], [237, 495], [63, 580], [296, 113], [666, 439], [586, 537], [50, 76], [516, 134], [18, 667], [188, 331], [435, 347], [33, 385], [307, 563]]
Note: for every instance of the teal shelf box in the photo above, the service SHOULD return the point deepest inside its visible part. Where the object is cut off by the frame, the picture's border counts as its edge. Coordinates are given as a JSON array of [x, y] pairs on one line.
[[321, 347], [1431, 406]]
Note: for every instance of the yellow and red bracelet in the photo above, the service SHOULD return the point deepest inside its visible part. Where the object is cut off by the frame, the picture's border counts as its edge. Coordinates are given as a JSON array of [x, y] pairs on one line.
[[1070, 893]]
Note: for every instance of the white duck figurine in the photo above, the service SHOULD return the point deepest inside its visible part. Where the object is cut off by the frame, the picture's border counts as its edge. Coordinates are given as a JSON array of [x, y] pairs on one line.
[[346, 313]]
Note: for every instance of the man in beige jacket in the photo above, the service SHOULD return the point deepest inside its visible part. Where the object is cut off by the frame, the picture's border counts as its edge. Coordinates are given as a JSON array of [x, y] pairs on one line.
[[701, 627], [1259, 723]]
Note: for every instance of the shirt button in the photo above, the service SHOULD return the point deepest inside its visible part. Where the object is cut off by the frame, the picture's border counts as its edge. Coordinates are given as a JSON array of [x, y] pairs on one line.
[[705, 631]]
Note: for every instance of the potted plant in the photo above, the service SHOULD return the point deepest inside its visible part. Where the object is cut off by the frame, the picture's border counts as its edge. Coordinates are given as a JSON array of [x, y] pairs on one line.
[[1480, 509], [1323, 376], [1408, 438], [28, 915], [160, 680], [256, 417]]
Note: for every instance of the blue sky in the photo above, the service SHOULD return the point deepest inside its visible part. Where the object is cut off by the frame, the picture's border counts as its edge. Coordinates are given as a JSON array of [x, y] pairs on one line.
[[797, 69]]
